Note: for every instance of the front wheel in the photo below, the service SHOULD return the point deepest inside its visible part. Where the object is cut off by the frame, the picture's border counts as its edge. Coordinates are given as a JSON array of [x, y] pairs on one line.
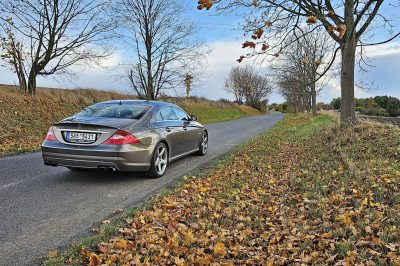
[[159, 161], [203, 148]]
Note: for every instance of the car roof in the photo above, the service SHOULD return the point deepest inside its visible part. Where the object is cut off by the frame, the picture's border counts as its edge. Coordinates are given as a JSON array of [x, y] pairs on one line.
[[143, 102]]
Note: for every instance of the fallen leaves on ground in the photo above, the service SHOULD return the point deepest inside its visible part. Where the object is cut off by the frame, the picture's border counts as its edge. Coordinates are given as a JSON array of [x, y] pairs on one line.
[[306, 193]]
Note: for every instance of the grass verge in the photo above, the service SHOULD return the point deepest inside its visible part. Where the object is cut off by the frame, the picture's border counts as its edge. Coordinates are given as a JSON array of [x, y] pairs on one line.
[[25, 120], [306, 192]]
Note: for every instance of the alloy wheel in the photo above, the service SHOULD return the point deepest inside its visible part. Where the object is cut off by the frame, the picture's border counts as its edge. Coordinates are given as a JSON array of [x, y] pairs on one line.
[[204, 144], [161, 159]]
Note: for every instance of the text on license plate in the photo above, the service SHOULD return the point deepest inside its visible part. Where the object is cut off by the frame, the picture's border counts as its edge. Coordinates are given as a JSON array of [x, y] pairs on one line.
[[79, 136]]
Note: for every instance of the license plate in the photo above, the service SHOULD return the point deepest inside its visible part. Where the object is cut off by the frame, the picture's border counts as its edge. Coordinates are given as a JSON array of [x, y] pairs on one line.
[[80, 137]]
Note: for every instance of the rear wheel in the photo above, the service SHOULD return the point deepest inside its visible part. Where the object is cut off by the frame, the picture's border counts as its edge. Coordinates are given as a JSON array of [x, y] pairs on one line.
[[159, 161], [203, 148]]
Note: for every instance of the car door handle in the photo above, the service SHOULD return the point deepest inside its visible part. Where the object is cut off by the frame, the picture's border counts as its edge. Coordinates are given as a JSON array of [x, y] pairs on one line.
[[168, 129]]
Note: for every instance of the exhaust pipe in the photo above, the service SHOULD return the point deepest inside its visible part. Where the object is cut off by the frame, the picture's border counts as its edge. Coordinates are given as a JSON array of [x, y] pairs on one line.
[[107, 168], [53, 164]]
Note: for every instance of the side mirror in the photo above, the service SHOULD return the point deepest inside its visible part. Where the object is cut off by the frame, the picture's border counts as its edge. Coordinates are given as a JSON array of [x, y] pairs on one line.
[[193, 118]]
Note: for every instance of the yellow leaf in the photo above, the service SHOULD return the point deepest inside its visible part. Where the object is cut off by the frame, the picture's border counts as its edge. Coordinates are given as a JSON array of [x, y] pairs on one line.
[[121, 243], [327, 235], [386, 179], [94, 260], [345, 219], [189, 238], [179, 261], [219, 249], [52, 253], [365, 201]]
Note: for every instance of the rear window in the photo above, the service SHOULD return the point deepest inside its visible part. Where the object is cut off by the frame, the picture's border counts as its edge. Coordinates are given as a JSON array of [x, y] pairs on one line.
[[115, 110]]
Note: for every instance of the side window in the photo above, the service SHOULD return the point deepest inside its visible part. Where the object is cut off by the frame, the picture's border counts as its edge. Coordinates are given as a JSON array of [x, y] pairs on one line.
[[181, 114], [167, 113], [159, 117]]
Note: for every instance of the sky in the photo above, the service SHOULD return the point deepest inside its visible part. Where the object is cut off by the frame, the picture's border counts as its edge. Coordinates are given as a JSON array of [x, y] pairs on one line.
[[223, 37]]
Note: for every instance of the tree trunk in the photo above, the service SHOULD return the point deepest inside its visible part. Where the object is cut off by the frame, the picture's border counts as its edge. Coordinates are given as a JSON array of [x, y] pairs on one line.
[[347, 114], [22, 83], [348, 49], [313, 99], [32, 83]]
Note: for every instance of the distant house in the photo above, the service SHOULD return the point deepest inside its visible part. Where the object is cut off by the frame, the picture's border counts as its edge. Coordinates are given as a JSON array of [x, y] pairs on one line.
[[324, 107]]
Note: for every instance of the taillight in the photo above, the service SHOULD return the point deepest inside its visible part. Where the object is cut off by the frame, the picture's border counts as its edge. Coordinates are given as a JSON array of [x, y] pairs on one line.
[[120, 138], [50, 135]]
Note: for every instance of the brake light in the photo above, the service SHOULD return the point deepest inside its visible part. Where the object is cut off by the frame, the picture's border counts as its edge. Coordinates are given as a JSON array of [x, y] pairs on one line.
[[50, 135], [120, 138]]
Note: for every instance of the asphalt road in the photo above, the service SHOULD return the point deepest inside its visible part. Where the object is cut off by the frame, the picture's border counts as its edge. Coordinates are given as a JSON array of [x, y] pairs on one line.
[[42, 208]]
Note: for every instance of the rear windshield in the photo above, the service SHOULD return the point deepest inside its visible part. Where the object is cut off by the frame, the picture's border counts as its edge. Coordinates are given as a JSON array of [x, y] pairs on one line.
[[115, 110]]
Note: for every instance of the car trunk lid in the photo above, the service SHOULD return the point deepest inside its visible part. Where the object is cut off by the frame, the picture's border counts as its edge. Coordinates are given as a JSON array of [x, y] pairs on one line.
[[88, 131]]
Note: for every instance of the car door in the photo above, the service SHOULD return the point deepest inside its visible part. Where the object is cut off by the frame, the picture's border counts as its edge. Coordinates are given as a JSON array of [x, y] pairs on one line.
[[191, 131], [173, 130]]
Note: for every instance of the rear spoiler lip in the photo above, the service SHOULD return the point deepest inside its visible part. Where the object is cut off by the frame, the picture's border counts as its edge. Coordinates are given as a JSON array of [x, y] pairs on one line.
[[82, 124]]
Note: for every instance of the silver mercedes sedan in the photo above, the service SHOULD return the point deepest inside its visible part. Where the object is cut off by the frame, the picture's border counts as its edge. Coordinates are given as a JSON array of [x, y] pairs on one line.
[[125, 135]]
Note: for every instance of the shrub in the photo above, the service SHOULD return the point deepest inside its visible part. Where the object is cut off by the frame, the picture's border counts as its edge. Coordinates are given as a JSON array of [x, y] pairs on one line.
[[259, 105], [336, 103], [374, 111], [281, 108], [222, 100], [393, 107]]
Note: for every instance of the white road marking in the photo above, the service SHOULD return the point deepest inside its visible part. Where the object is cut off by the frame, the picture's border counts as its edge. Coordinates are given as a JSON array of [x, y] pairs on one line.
[[10, 185]]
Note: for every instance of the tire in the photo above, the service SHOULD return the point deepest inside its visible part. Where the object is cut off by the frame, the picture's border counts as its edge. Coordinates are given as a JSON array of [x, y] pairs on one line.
[[203, 147], [159, 161]]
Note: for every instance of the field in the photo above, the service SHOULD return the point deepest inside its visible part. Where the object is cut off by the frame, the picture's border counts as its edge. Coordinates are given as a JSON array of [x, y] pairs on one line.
[[307, 192], [25, 120]]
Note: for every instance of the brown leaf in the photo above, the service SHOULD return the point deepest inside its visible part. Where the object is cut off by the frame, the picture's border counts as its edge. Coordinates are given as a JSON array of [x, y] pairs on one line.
[[311, 20], [249, 44]]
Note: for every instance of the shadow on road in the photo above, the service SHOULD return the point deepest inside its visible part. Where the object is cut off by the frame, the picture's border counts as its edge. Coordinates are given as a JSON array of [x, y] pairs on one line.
[[100, 177]]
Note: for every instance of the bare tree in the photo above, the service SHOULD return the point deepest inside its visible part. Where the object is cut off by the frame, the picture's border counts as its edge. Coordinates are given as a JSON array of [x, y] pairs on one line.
[[298, 71], [45, 37], [246, 83], [163, 42], [347, 22], [235, 83], [12, 54]]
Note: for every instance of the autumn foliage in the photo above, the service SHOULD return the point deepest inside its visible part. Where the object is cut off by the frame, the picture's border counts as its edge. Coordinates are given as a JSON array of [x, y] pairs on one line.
[[301, 194]]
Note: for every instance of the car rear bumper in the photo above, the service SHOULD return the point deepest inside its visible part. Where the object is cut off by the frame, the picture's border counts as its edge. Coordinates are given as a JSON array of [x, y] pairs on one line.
[[111, 157]]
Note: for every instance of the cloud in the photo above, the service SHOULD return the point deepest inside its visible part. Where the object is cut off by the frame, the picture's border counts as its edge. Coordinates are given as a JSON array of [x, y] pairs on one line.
[[220, 60], [387, 49]]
